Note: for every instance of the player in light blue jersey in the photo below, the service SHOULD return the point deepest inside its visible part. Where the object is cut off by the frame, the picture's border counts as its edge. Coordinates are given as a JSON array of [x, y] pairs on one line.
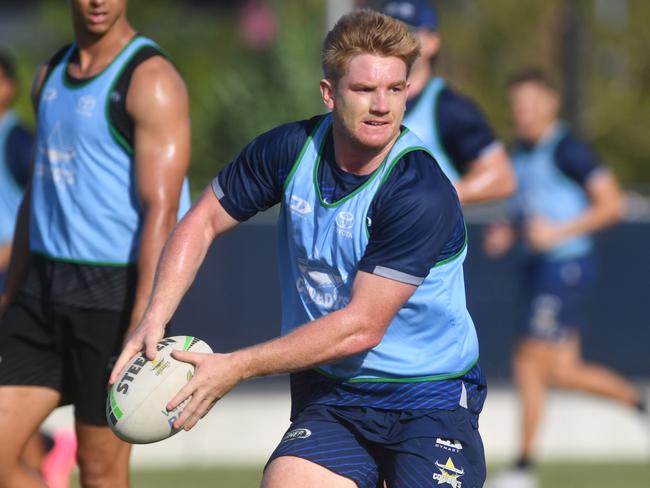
[[450, 124], [15, 155], [564, 196], [107, 184], [383, 354]]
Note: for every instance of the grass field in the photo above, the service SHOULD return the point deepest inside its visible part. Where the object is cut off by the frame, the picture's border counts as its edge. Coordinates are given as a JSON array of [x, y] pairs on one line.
[[566, 475]]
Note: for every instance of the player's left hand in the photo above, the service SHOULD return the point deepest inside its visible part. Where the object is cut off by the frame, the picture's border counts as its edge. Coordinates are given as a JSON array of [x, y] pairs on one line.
[[214, 376], [543, 234]]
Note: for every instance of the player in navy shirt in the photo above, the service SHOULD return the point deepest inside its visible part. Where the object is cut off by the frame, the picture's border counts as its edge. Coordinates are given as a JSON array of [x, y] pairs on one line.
[[371, 235], [451, 124], [564, 195]]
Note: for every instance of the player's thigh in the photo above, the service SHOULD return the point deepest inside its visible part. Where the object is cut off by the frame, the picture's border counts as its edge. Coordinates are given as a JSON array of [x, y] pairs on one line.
[[101, 456], [295, 472], [97, 339], [440, 448], [321, 444], [22, 410]]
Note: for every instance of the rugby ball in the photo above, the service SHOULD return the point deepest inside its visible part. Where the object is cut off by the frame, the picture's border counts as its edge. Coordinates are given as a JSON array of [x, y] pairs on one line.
[[135, 407]]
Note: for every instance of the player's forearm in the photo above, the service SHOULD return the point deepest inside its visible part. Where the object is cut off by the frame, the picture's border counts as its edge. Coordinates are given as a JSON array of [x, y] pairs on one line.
[[158, 224], [332, 337], [593, 220], [179, 262], [490, 178], [5, 253]]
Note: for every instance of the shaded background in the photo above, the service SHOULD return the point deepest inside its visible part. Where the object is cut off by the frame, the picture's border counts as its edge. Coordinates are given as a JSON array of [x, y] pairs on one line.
[[253, 64]]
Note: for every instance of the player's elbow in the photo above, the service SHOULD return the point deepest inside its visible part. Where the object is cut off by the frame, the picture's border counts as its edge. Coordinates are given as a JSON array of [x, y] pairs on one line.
[[367, 334], [619, 208], [508, 184]]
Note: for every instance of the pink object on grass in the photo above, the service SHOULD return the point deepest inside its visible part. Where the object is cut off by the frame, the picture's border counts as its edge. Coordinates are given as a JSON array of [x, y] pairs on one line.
[[59, 462]]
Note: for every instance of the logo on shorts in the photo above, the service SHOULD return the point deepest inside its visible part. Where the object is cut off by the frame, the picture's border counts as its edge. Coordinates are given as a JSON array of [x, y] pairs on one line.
[[544, 321], [449, 444], [449, 474], [294, 434]]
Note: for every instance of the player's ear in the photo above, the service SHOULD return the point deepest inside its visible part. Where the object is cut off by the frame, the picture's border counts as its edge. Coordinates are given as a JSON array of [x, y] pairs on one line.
[[327, 92]]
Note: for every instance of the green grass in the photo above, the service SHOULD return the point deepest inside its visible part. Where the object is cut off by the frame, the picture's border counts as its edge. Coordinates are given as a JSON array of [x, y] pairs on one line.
[[564, 475]]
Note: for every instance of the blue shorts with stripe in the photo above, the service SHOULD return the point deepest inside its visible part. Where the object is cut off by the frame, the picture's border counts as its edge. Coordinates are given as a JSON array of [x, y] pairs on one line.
[[404, 448], [557, 296]]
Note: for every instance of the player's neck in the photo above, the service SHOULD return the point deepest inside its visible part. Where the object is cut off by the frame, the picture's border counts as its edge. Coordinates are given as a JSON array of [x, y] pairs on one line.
[[356, 159], [97, 52]]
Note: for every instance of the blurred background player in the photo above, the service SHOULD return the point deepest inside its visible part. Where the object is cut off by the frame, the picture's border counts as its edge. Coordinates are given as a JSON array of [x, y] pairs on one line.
[[564, 195], [449, 123], [52, 456], [370, 230], [110, 158], [15, 157]]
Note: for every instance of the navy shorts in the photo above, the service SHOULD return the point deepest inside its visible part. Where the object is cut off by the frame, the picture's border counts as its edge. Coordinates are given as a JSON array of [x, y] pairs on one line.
[[557, 296], [405, 448]]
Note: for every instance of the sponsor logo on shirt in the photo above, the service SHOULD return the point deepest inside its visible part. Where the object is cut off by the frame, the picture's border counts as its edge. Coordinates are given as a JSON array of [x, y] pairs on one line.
[[299, 205], [85, 105], [344, 222], [49, 94], [448, 474], [59, 155]]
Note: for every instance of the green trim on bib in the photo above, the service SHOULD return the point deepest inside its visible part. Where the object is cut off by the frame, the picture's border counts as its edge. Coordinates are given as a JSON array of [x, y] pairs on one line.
[[86, 81], [415, 379]]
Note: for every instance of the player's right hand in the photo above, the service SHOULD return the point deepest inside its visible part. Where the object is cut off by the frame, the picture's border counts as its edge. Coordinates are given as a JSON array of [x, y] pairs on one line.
[[144, 337]]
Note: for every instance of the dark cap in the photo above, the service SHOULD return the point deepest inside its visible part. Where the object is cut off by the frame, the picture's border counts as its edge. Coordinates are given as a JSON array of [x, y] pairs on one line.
[[416, 13]]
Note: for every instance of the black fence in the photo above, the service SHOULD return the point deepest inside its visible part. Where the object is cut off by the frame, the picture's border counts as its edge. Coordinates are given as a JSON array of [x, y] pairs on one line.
[[235, 300]]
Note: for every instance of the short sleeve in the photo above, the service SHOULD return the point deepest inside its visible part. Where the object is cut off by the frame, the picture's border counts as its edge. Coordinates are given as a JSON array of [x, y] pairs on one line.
[[576, 159], [464, 131], [415, 222], [253, 181], [19, 147]]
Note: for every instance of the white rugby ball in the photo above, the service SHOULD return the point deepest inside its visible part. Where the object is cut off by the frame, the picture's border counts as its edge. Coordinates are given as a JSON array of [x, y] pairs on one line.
[[135, 408]]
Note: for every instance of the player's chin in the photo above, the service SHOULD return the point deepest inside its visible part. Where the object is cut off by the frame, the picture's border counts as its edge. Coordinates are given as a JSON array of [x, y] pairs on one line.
[[376, 138]]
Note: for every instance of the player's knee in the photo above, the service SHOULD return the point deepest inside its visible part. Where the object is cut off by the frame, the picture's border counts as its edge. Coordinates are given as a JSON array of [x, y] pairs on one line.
[[8, 465], [100, 471], [564, 376]]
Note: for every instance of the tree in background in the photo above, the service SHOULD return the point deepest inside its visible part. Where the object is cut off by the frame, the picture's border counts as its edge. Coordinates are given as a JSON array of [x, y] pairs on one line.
[[238, 90]]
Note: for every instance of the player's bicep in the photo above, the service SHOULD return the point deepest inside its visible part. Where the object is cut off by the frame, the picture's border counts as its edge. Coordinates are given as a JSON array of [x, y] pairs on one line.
[[416, 223], [158, 103], [377, 299]]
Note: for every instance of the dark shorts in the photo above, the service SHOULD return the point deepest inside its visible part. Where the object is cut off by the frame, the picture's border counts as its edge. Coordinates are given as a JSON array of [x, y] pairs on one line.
[[557, 296], [407, 449], [66, 348]]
